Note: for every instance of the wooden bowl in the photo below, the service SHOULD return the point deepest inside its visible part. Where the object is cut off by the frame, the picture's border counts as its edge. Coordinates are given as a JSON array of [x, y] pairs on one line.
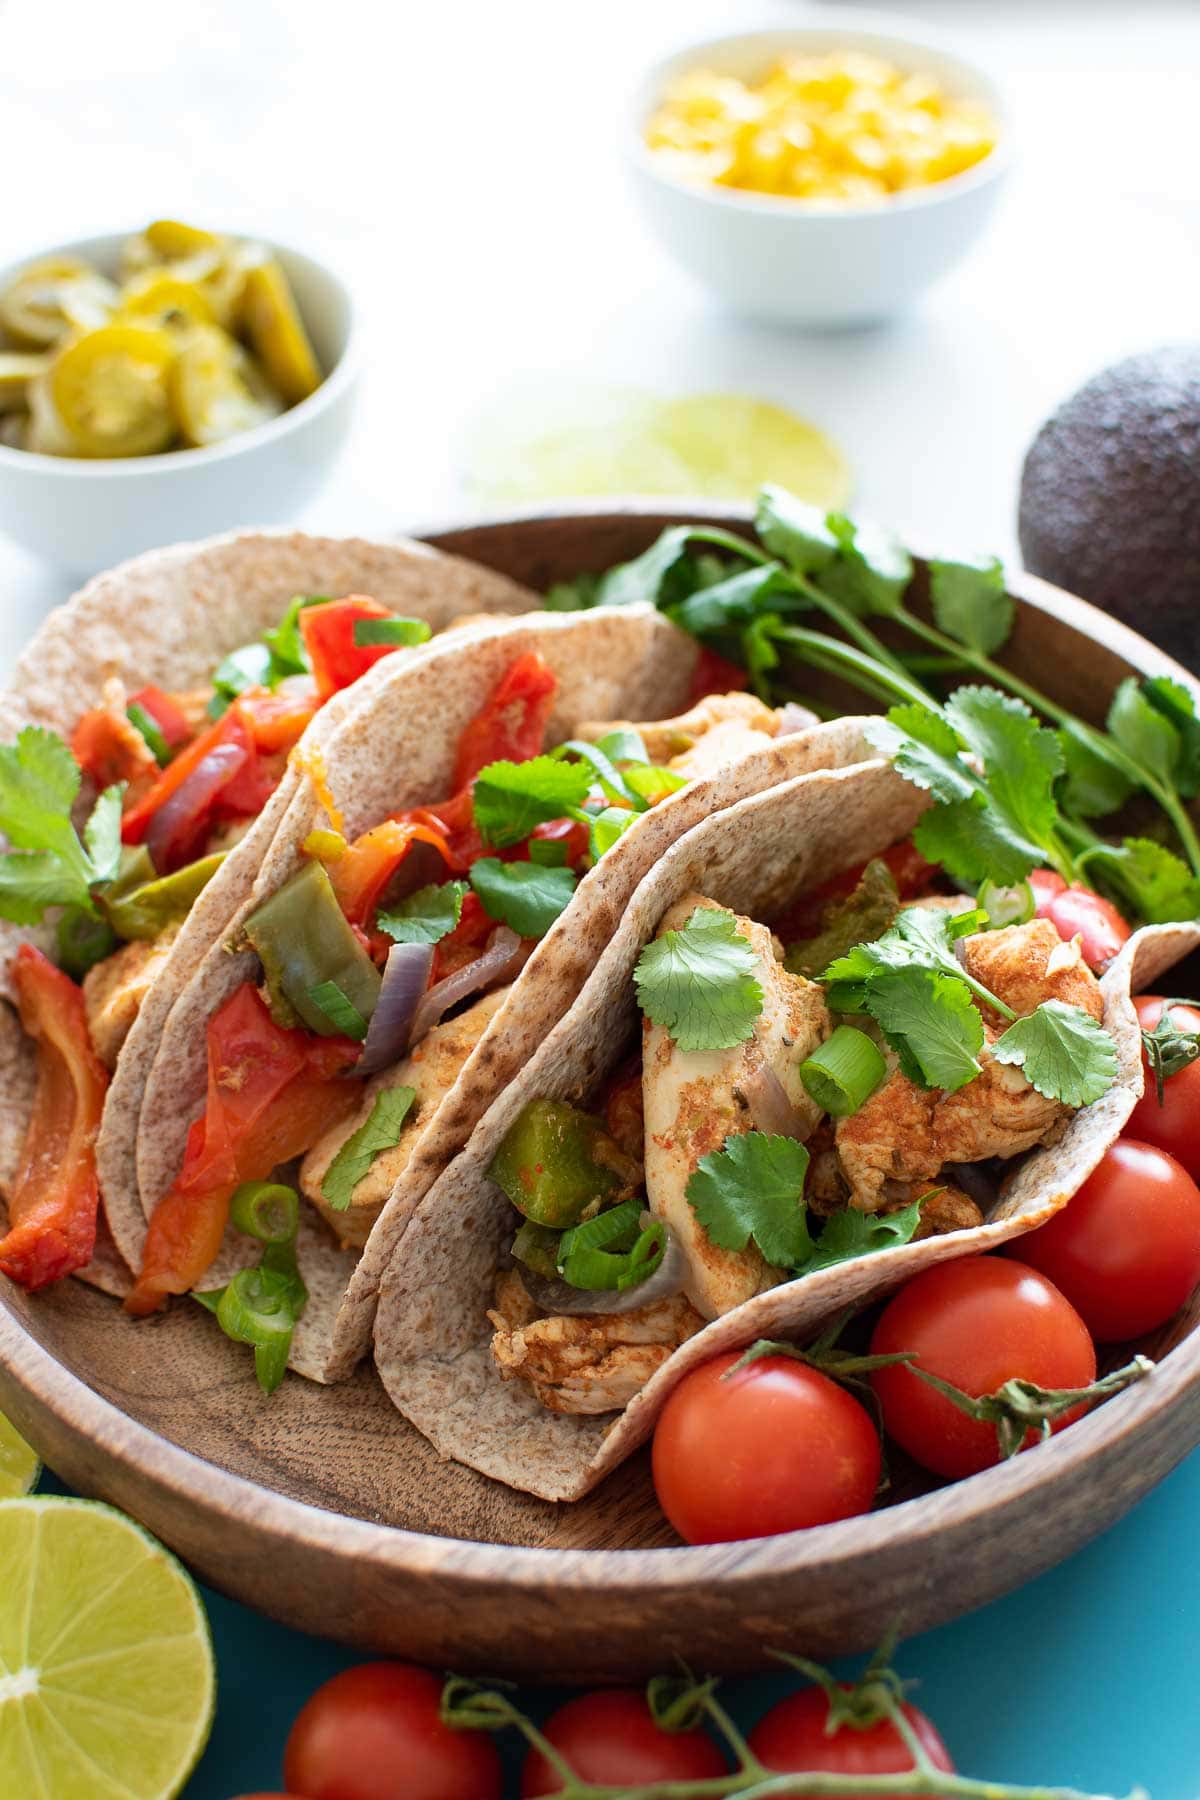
[[322, 1508]]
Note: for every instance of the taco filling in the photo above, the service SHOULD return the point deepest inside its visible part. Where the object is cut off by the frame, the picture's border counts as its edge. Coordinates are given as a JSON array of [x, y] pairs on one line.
[[797, 1101]]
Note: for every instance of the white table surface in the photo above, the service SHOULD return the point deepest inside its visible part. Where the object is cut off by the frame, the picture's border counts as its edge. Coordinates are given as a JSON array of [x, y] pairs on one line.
[[462, 163]]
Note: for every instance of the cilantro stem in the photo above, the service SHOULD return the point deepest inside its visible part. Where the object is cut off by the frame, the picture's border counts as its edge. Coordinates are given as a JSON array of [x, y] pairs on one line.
[[853, 626], [862, 670]]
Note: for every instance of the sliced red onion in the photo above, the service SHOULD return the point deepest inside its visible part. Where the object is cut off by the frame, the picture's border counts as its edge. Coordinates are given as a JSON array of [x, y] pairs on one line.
[[503, 956], [405, 975], [793, 717], [174, 824], [560, 1297], [769, 1107], [978, 1181]]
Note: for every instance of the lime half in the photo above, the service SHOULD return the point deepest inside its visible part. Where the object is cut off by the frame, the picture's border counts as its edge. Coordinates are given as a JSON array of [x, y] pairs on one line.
[[621, 441], [106, 1664], [19, 1466]]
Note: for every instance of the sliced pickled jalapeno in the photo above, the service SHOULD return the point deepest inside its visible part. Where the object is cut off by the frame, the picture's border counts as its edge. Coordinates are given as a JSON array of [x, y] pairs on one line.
[[47, 299], [110, 390], [276, 332], [17, 369], [216, 391], [160, 297], [166, 241]]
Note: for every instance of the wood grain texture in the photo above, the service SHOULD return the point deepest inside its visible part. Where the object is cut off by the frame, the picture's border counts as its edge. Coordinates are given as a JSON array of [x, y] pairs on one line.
[[324, 1509]]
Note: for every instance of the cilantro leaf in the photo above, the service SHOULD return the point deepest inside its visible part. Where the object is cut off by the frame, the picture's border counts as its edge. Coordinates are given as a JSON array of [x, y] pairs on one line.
[[31, 881], [102, 834], [525, 895], [926, 751], [576, 595], [286, 643], [922, 937], [1147, 733], [970, 603], [930, 1018], [645, 577], [872, 569], [279, 653], [1062, 1052], [1174, 702], [1021, 759], [49, 866], [974, 842], [733, 602], [698, 982], [794, 531], [427, 916], [247, 667], [511, 798], [754, 1188], [1159, 885], [1094, 786], [381, 1131], [609, 778], [851, 1233]]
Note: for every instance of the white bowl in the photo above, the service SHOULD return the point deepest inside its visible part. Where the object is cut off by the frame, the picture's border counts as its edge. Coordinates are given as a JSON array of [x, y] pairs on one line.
[[82, 514], [791, 261]]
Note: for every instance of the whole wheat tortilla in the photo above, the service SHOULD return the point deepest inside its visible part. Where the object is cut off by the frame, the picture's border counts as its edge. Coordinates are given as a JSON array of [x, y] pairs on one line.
[[167, 618], [397, 752], [432, 1336]]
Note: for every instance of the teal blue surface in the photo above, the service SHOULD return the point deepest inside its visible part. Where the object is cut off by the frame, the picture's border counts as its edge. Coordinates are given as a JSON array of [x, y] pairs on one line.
[[1088, 1678]]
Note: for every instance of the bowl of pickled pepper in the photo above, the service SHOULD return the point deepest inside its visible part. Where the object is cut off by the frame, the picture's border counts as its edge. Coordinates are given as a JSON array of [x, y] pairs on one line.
[[163, 384]]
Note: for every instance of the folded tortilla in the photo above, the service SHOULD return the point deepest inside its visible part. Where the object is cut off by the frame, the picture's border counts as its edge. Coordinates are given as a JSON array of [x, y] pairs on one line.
[[396, 752], [432, 1334], [168, 618]]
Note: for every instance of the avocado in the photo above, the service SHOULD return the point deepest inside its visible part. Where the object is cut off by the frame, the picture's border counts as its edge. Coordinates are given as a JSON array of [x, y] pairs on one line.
[[1110, 496]]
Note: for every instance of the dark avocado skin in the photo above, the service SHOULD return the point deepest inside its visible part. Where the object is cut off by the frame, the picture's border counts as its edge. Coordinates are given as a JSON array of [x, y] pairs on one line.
[[1110, 496]]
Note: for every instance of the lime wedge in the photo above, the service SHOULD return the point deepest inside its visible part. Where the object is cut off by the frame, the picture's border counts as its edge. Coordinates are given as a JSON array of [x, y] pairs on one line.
[[106, 1665], [19, 1466], [714, 446]]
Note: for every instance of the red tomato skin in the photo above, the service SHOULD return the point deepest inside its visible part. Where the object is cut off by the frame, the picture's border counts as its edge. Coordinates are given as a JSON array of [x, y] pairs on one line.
[[1046, 884], [776, 1447], [1126, 1250], [792, 1739], [977, 1322], [1175, 1124], [1077, 909], [374, 1733], [610, 1738]]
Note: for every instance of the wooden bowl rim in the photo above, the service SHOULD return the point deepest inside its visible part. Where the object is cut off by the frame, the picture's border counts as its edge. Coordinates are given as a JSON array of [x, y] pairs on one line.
[[196, 1481]]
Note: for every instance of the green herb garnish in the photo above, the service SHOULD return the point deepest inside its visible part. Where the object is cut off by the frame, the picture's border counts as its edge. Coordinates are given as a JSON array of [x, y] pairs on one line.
[[699, 982], [380, 1131], [49, 865], [527, 896], [339, 1009], [425, 917], [753, 1188], [511, 798]]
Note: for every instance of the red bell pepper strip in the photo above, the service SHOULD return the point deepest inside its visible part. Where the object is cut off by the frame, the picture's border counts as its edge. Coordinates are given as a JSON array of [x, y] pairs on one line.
[[360, 875], [270, 1091], [109, 747], [715, 674], [328, 633], [513, 722], [277, 718], [167, 714], [228, 729], [55, 1196]]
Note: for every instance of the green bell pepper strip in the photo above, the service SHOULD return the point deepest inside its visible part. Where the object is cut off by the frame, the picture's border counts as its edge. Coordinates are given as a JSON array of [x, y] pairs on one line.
[[303, 941], [146, 909], [555, 1162]]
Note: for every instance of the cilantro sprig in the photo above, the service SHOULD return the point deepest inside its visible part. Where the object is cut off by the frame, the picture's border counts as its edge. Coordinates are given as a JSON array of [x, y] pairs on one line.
[[50, 864], [380, 1131], [604, 786], [1014, 776], [699, 984]]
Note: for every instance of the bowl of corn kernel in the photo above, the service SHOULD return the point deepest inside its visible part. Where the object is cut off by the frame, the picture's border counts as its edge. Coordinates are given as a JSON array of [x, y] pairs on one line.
[[164, 384], [821, 175]]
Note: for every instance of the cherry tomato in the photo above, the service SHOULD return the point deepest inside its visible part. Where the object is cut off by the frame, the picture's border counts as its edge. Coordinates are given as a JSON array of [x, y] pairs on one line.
[[776, 1447], [1126, 1250], [1077, 909], [793, 1739], [977, 1323], [610, 1738], [1173, 1125], [375, 1733]]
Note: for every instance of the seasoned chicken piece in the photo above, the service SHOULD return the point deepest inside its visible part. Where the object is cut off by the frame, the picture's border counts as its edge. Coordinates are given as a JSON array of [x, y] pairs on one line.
[[695, 1100], [113, 991], [951, 1210], [708, 737], [431, 1069], [905, 1133], [593, 1363]]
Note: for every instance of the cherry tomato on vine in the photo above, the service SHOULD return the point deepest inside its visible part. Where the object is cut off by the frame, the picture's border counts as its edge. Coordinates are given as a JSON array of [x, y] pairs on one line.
[[610, 1738], [793, 1739], [1126, 1250], [775, 1447], [375, 1733], [977, 1323], [1174, 1123], [1078, 909]]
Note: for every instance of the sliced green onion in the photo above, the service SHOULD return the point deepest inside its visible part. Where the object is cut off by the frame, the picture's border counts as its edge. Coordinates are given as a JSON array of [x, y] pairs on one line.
[[652, 783], [548, 853], [605, 1231], [339, 1009], [645, 1256], [260, 1307], [139, 717], [267, 1210], [610, 778], [623, 746], [844, 1071], [537, 1247], [613, 1250], [368, 632], [605, 828], [1006, 905]]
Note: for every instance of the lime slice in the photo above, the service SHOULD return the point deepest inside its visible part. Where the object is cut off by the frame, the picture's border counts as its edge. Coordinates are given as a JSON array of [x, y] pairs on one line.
[[19, 1466], [714, 446], [106, 1665]]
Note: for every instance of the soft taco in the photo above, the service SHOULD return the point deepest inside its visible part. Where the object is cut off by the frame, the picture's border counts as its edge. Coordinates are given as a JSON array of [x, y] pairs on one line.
[[783, 1089], [151, 729], [446, 877]]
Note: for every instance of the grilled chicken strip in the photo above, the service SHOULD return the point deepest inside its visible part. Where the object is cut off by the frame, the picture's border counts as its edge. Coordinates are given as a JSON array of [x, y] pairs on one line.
[[113, 991], [711, 735], [695, 1100], [432, 1069], [905, 1133], [584, 1364]]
